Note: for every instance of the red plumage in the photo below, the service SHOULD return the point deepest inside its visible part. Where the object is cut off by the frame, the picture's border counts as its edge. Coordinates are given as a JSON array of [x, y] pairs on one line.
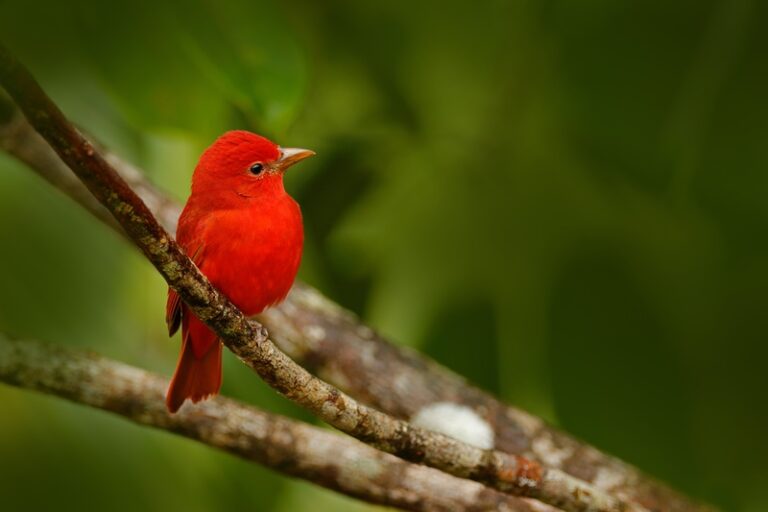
[[244, 232]]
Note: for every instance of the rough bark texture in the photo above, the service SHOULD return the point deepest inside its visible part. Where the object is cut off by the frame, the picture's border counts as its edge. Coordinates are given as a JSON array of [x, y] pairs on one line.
[[291, 447], [249, 340]]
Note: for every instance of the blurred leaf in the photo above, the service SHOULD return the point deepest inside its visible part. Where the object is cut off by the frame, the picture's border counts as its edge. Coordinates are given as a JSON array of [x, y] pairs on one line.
[[190, 66]]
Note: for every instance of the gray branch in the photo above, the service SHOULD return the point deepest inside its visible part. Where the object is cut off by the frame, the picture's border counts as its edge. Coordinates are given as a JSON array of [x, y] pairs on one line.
[[293, 448]]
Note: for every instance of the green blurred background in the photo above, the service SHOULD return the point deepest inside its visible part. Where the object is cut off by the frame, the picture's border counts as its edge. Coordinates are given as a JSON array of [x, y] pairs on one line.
[[564, 201]]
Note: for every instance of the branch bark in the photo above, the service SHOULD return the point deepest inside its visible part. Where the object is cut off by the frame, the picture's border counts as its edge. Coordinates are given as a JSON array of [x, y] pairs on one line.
[[293, 448], [250, 342]]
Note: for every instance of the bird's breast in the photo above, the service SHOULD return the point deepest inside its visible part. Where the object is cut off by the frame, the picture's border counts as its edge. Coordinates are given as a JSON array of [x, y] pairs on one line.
[[253, 254]]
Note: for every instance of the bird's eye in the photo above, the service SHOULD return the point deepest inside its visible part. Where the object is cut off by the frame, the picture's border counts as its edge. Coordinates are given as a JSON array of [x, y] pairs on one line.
[[256, 169]]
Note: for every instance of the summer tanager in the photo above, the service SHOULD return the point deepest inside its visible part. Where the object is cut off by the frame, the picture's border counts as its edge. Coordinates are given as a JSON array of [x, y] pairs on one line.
[[244, 232]]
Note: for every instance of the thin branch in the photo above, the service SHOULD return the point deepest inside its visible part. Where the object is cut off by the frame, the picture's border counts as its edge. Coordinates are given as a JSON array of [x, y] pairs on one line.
[[249, 340], [288, 446], [332, 343]]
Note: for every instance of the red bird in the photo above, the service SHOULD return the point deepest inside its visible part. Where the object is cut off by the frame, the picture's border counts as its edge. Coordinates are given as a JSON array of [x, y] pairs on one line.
[[244, 232]]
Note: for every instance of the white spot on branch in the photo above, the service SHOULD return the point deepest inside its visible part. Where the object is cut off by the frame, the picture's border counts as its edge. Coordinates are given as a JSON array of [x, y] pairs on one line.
[[457, 421]]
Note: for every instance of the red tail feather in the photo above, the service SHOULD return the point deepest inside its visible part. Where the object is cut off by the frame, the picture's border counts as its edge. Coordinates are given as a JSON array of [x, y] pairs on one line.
[[198, 373]]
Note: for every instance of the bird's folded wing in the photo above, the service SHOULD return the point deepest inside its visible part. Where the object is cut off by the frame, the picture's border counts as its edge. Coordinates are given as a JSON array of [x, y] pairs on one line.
[[173, 306]]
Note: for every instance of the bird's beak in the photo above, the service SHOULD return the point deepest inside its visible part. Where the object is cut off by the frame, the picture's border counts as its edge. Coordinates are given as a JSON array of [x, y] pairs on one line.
[[290, 156]]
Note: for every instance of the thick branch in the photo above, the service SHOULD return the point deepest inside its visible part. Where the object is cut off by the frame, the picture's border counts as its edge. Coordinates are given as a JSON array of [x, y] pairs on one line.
[[291, 447], [249, 341]]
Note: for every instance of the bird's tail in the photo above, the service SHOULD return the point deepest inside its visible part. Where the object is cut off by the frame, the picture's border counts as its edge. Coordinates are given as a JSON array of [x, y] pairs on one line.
[[198, 373]]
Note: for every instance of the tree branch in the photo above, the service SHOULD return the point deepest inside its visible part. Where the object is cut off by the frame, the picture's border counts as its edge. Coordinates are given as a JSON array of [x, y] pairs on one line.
[[291, 447], [249, 340]]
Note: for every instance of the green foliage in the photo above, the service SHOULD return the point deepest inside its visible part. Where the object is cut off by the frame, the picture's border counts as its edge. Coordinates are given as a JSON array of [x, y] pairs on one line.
[[564, 201]]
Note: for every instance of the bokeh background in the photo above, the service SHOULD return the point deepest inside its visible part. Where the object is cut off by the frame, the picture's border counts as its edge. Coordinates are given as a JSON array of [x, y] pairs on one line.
[[564, 201]]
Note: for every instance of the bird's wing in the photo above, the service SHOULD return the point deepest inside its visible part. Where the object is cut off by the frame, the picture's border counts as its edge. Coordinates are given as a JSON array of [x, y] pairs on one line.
[[173, 312], [190, 235], [173, 305]]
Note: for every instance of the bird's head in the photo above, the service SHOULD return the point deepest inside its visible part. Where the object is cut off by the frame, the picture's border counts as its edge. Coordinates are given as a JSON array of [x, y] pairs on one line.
[[243, 163]]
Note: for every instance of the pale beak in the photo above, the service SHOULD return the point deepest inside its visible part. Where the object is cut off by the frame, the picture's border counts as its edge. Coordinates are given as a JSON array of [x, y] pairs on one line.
[[290, 156]]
